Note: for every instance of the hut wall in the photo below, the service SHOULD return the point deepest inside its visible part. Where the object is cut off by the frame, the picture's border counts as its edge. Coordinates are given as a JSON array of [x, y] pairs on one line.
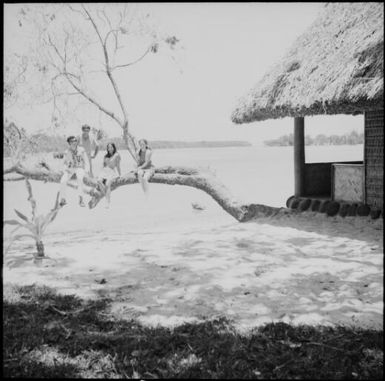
[[318, 178], [374, 158]]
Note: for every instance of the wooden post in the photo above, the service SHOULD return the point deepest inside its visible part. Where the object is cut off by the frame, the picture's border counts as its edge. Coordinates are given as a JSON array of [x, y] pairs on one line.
[[299, 156]]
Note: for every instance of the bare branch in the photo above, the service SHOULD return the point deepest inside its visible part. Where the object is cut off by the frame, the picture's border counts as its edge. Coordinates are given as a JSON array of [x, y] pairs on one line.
[[14, 178], [56, 50], [75, 10], [124, 125], [79, 90], [108, 35], [99, 35], [106, 17], [134, 62], [93, 101]]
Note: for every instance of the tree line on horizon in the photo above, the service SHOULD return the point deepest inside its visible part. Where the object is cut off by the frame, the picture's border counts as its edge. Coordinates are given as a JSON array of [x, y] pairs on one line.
[[42, 142], [320, 140]]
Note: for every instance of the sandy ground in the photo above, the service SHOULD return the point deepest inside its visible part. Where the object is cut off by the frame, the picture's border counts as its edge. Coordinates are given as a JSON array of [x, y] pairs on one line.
[[307, 268]]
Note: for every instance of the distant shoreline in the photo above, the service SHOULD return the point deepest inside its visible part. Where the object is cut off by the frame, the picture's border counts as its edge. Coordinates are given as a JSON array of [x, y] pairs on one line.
[[159, 144], [351, 138]]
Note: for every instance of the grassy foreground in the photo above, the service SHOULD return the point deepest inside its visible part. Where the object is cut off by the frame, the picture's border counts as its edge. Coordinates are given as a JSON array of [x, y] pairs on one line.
[[48, 335]]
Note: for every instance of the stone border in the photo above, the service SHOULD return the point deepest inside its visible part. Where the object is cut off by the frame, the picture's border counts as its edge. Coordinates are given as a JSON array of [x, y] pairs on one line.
[[333, 208]]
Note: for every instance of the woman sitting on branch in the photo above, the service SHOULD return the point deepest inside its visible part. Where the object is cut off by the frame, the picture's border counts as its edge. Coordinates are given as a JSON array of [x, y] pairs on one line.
[[111, 168], [145, 169]]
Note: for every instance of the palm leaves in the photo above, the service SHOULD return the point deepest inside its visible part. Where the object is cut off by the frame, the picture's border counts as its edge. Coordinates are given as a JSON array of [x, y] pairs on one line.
[[36, 225]]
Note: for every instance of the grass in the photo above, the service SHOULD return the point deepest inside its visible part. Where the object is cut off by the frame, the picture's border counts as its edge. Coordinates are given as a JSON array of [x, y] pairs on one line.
[[49, 335]]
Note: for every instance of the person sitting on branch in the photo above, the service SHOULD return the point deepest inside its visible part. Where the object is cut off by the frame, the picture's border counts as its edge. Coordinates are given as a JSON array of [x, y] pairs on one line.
[[111, 168], [145, 170], [76, 163], [89, 143]]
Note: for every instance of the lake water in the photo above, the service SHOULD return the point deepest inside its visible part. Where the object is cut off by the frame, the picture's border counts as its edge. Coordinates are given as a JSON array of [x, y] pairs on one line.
[[263, 175]]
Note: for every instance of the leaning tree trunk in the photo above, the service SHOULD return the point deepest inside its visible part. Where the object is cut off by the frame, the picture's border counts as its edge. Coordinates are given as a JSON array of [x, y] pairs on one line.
[[184, 176]]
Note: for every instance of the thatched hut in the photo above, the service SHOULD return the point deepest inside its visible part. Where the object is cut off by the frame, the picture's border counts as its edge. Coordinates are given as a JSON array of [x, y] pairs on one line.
[[335, 67]]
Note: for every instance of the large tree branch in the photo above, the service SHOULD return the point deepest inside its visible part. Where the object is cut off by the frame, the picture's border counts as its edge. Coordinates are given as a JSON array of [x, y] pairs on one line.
[[166, 175]]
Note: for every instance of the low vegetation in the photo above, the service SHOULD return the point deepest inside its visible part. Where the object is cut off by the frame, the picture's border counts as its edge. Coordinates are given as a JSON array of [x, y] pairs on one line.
[[46, 335], [35, 226], [320, 140], [42, 142]]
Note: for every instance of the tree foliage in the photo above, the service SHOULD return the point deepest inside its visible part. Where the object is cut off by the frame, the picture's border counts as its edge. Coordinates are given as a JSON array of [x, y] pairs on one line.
[[78, 53]]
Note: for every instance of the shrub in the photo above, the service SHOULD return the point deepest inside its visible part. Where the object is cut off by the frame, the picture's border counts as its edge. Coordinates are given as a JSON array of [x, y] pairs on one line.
[[35, 226]]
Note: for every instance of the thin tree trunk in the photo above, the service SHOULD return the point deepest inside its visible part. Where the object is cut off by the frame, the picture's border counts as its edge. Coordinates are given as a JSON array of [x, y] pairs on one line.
[[40, 249]]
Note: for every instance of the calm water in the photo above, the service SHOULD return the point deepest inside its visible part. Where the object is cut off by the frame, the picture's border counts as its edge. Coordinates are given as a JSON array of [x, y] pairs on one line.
[[257, 174], [253, 174]]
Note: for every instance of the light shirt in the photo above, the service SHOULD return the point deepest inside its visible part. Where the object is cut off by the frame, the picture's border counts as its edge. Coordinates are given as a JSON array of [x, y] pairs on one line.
[[75, 159], [89, 144]]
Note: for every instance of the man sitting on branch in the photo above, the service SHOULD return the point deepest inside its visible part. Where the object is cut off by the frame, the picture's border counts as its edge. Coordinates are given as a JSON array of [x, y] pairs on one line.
[[76, 163]]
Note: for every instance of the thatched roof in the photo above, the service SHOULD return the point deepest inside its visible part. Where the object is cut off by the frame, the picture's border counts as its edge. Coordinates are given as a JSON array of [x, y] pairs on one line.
[[335, 67]]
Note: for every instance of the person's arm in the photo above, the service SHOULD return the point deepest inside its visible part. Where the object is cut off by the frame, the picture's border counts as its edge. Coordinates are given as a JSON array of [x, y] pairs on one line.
[[67, 159], [86, 161], [118, 165], [147, 159], [96, 149]]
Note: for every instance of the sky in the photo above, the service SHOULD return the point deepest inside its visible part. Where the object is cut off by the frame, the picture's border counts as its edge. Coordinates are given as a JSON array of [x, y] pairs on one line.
[[223, 50]]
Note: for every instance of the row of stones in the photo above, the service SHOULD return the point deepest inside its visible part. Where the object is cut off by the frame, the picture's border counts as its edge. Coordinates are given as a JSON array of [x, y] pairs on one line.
[[332, 208]]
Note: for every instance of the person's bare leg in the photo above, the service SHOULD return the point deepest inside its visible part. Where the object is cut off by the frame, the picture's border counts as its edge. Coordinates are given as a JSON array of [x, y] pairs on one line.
[[80, 176], [141, 180], [63, 188], [108, 193], [146, 177], [91, 173]]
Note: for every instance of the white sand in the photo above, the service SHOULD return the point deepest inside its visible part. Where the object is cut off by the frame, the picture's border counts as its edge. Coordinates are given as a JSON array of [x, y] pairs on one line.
[[165, 263]]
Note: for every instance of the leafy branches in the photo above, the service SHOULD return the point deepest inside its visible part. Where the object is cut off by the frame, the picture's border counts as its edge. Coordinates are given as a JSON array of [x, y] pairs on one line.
[[78, 47]]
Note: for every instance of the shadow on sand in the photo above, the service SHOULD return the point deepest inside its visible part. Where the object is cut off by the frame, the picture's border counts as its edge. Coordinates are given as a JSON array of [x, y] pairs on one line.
[[50, 335]]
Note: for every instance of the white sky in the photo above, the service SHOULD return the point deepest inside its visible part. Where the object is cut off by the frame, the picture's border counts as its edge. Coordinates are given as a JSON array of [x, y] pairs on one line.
[[226, 49]]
